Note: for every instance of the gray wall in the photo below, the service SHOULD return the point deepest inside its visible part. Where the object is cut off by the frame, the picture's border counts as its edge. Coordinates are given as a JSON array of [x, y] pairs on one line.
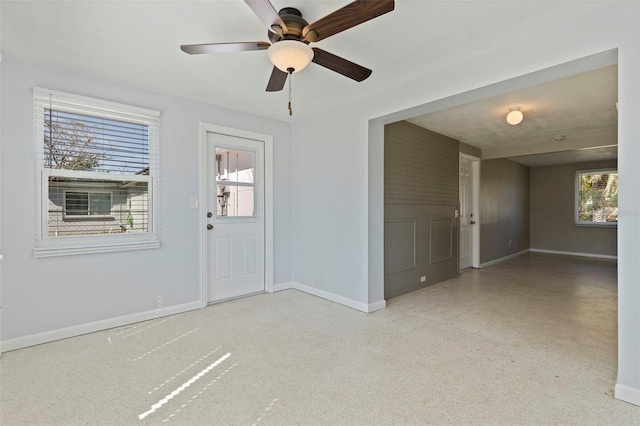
[[470, 150], [39, 295], [421, 196], [552, 212], [504, 209]]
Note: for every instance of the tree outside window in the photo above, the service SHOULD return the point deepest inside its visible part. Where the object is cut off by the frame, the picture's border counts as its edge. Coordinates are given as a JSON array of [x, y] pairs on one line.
[[597, 197]]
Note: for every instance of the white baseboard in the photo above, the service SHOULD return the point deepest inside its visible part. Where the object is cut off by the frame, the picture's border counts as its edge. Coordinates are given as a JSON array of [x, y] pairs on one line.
[[77, 330], [502, 259], [571, 253], [376, 306], [363, 307], [283, 286], [627, 394]]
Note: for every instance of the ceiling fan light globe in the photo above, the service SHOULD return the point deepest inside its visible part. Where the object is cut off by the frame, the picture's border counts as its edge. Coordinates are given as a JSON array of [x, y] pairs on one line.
[[287, 54]]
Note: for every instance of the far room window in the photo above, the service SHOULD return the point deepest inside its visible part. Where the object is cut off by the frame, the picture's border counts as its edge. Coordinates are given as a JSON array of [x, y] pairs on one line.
[[97, 174], [597, 197]]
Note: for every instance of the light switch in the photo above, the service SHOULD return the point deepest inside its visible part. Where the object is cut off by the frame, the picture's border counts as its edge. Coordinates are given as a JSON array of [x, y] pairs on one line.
[[193, 203]]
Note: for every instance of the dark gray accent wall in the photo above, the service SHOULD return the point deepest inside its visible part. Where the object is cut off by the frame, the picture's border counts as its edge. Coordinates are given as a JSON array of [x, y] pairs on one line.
[[504, 209], [420, 166], [470, 150], [421, 197], [553, 208]]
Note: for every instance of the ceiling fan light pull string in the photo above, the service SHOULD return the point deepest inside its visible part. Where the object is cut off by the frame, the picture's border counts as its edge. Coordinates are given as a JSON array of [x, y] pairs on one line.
[[290, 71]]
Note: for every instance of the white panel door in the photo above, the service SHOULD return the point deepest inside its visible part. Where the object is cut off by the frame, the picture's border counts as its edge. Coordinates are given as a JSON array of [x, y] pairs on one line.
[[467, 220], [236, 225]]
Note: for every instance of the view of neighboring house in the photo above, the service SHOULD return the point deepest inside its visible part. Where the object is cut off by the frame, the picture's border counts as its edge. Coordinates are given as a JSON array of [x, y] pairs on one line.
[[90, 207]]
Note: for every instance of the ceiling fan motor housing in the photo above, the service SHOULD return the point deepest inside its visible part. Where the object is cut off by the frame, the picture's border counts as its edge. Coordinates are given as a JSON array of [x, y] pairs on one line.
[[294, 21]]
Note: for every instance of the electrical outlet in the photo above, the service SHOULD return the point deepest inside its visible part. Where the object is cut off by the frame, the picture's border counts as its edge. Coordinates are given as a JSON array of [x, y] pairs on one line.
[[423, 278], [313, 266]]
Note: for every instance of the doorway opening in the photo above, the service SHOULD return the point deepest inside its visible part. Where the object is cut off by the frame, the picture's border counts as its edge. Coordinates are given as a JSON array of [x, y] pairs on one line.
[[469, 211], [376, 164]]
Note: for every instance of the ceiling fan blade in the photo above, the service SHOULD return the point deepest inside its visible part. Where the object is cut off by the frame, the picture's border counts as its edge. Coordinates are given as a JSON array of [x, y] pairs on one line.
[[353, 14], [268, 15], [277, 80], [340, 65], [195, 49]]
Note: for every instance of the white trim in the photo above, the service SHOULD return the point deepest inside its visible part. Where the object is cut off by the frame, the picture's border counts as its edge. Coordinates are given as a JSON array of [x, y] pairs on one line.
[[627, 394], [42, 95], [572, 253], [202, 223], [502, 259], [475, 165], [95, 175], [283, 286], [92, 327], [268, 214], [363, 307], [89, 249], [206, 128], [376, 306]]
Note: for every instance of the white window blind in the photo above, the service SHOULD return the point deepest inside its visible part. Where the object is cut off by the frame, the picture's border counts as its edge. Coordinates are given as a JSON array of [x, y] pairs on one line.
[[97, 165]]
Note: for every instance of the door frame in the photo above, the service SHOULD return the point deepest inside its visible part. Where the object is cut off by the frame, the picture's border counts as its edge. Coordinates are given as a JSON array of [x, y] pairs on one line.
[[475, 188], [206, 128]]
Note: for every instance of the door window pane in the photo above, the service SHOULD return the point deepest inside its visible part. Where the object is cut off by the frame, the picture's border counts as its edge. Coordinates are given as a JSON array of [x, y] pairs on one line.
[[236, 201], [234, 165]]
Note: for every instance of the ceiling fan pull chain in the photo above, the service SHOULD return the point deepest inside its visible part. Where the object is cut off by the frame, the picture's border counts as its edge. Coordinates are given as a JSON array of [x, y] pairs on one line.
[[290, 70]]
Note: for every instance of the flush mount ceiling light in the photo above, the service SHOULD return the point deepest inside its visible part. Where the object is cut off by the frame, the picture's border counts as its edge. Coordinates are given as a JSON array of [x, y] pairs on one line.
[[290, 55], [515, 116]]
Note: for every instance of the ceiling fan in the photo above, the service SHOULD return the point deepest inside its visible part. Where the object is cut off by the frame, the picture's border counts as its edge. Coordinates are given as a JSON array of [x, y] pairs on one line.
[[290, 35]]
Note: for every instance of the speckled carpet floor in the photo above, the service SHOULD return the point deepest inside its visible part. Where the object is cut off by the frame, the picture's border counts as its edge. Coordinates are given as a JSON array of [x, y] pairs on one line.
[[527, 341]]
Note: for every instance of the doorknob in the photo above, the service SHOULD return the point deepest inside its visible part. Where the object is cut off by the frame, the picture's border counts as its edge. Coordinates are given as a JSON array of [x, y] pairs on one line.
[[473, 222], [209, 226]]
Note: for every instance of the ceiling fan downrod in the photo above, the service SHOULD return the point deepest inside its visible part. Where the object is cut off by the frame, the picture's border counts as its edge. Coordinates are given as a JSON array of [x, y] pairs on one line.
[[290, 71]]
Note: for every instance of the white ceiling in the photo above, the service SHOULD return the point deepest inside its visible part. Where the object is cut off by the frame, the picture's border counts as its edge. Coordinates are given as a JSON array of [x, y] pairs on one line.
[[572, 109], [136, 43]]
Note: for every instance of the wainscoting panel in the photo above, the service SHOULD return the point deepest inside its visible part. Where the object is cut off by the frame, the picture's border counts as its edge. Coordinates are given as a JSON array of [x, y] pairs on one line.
[[442, 230], [421, 243], [401, 236]]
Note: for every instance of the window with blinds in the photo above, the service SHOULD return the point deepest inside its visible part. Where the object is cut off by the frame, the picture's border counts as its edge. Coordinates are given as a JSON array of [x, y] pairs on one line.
[[97, 166], [597, 197]]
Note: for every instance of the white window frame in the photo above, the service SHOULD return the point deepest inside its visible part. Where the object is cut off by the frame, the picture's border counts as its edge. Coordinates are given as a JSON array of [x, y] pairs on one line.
[[46, 245], [576, 202]]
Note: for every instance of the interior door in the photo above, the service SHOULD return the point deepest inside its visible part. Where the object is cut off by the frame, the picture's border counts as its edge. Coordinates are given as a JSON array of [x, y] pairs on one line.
[[467, 220], [236, 225]]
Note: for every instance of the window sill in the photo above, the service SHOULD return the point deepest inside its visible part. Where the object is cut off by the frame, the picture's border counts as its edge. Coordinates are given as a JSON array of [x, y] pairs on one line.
[[598, 225], [72, 250]]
